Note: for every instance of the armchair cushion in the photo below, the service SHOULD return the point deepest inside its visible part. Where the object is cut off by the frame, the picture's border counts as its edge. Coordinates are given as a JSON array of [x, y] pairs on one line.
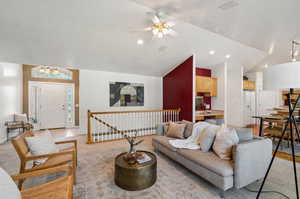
[[8, 188], [41, 144]]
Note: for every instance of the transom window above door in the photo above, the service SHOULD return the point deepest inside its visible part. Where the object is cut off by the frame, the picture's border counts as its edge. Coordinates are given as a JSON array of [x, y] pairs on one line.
[[51, 72]]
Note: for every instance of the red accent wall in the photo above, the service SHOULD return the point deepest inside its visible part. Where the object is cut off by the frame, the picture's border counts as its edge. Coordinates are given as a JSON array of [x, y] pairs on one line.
[[203, 72], [207, 73], [178, 89]]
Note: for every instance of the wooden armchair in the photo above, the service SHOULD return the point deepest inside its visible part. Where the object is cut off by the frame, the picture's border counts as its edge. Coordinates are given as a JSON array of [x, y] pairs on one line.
[[60, 188], [66, 155]]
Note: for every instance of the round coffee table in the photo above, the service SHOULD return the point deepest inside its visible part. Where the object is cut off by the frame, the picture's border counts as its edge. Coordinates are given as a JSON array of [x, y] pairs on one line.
[[137, 176]]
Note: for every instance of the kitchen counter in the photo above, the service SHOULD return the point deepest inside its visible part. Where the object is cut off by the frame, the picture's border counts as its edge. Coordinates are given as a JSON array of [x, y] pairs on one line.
[[209, 114]]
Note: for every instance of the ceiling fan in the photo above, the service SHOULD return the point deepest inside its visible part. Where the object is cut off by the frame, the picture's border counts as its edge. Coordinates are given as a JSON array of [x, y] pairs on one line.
[[161, 27]]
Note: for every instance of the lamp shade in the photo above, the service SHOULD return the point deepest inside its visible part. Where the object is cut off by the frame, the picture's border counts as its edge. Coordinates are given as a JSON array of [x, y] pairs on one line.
[[282, 76]]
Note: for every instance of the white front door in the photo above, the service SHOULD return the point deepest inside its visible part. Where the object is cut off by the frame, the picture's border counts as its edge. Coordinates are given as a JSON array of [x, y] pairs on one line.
[[52, 107], [53, 104]]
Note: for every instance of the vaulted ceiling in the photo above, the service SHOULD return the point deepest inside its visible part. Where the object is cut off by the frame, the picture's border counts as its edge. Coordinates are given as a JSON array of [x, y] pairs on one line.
[[102, 35]]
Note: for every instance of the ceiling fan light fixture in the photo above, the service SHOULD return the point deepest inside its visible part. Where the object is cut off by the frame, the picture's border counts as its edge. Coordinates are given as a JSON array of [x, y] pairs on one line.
[[161, 28], [160, 35], [154, 31], [165, 31]]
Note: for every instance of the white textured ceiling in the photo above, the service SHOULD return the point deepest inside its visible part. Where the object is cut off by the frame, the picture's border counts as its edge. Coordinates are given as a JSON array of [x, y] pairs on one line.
[[100, 35]]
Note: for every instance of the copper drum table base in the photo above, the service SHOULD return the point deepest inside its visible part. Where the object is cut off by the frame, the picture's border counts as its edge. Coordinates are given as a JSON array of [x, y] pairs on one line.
[[137, 176]]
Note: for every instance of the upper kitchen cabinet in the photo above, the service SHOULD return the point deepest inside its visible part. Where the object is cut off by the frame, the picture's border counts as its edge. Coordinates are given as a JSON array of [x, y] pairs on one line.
[[248, 85], [206, 85], [214, 87], [203, 84]]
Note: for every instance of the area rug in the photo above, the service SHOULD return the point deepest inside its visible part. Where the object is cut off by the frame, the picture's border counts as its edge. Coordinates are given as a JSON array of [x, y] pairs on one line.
[[95, 176]]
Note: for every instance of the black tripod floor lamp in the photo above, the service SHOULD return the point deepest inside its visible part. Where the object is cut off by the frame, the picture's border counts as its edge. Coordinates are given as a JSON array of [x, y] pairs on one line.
[[279, 77]]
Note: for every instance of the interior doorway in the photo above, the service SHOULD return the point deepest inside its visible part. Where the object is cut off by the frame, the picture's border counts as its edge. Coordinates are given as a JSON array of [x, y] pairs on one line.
[[249, 107], [51, 105]]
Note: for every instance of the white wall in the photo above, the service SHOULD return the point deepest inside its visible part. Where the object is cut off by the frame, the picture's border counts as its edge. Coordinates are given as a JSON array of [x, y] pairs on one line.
[[10, 94], [94, 92], [218, 102], [234, 95]]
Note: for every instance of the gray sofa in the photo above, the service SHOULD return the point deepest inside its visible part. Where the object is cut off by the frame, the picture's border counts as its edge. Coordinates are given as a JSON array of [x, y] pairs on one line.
[[250, 160]]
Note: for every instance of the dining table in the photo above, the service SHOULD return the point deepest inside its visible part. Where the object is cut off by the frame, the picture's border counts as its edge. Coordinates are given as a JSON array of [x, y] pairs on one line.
[[262, 118]]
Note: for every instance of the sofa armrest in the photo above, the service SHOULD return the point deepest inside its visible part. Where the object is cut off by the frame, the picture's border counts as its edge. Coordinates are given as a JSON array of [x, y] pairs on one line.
[[160, 129], [251, 160]]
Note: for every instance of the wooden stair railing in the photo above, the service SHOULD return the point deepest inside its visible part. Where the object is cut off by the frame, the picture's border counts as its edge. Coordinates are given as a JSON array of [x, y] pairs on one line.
[[108, 126]]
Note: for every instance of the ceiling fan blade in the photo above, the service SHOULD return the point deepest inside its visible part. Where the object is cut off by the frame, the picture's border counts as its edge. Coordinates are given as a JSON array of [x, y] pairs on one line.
[[148, 29], [172, 32], [170, 24], [155, 19]]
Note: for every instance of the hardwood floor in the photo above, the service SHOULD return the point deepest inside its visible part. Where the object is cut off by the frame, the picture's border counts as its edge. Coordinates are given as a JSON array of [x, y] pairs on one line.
[[65, 132]]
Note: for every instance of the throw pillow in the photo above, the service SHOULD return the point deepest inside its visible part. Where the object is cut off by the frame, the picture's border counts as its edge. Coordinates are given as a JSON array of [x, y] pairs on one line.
[[8, 188], [166, 127], [207, 137], [226, 138], [41, 144], [188, 129], [176, 130]]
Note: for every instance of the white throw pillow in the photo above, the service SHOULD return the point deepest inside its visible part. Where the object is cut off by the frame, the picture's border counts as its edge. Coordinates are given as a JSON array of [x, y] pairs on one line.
[[41, 144], [8, 188], [226, 138], [207, 137], [21, 117]]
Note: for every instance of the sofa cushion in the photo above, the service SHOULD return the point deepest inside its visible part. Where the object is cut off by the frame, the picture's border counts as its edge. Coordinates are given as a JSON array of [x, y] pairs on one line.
[[163, 140], [208, 160], [244, 134], [226, 138], [207, 137], [176, 130], [188, 128]]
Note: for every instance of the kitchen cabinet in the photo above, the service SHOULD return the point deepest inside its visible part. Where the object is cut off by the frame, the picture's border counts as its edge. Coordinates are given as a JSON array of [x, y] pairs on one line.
[[203, 84], [214, 86], [248, 85], [206, 85]]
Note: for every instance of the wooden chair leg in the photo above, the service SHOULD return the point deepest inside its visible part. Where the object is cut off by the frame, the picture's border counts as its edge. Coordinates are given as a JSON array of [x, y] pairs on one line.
[[74, 172], [74, 165], [75, 158], [21, 181], [76, 153]]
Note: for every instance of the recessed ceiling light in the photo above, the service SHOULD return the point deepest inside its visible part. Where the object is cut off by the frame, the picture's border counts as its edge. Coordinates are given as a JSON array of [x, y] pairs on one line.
[[228, 56], [140, 42], [266, 65], [212, 52]]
